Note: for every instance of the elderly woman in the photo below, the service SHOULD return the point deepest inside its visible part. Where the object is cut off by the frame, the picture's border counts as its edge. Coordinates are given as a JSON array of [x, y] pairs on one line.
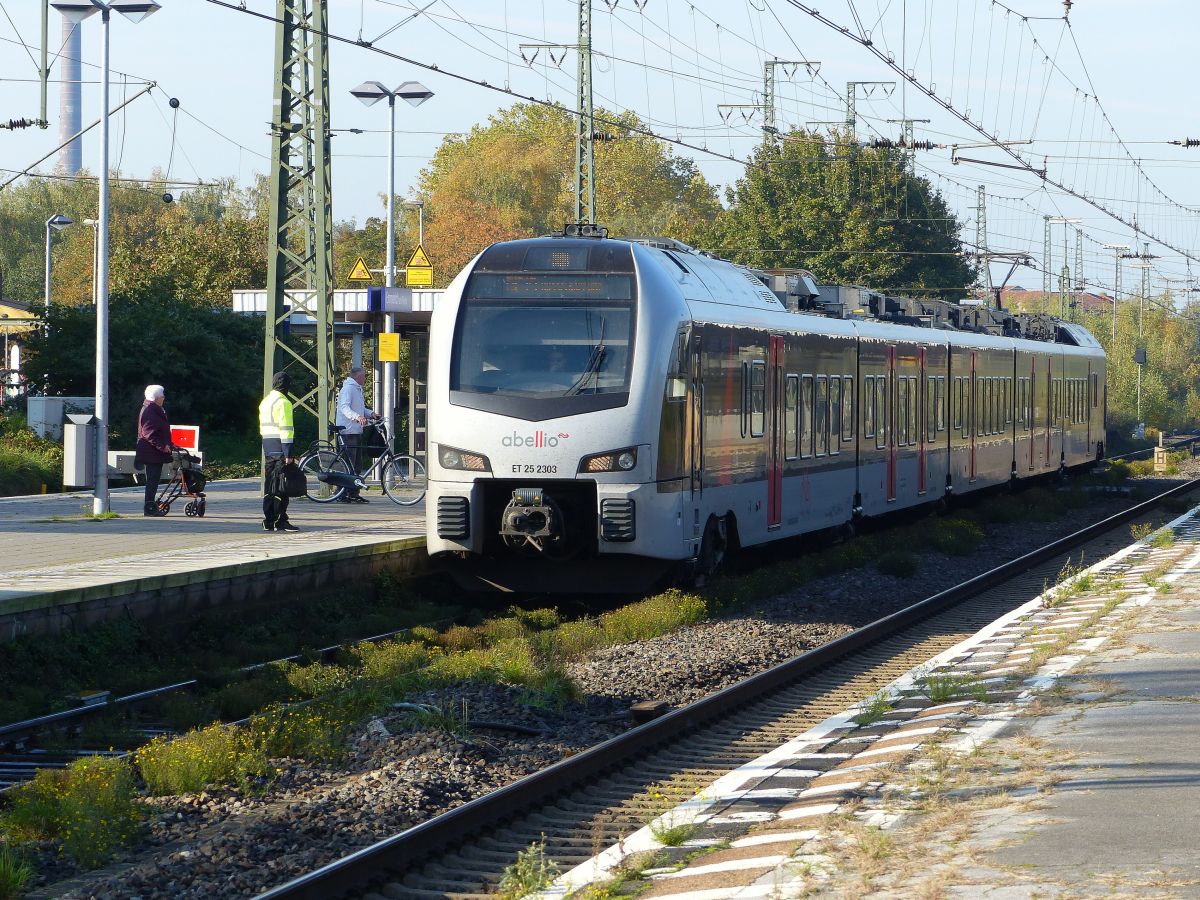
[[153, 444]]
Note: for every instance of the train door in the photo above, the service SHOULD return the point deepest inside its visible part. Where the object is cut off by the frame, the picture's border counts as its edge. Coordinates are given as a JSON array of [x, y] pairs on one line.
[[889, 417], [1049, 409], [696, 429], [922, 401], [1030, 404], [973, 418], [1087, 400], [775, 451]]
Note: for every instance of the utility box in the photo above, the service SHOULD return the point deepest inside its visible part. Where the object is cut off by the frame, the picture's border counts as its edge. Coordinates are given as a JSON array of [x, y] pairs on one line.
[[79, 451]]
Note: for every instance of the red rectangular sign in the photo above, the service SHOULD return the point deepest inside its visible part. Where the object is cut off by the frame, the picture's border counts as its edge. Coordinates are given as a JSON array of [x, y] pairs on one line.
[[186, 436]]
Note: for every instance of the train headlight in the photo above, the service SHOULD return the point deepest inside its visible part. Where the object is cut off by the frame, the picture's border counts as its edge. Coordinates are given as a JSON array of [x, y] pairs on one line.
[[463, 460], [612, 461]]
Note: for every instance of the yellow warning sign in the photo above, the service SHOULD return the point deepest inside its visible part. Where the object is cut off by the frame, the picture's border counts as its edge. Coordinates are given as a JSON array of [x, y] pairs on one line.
[[418, 271], [360, 272], [388, 347]]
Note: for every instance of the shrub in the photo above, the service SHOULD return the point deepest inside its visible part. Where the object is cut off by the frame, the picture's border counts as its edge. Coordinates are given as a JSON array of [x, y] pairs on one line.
[[899, 563], [493, 631], [535, 619], [571, 640], [390, 659], [531, 872], [458, 638], [317, 678], [218, 754], [27, 461], [88, 808], [315, 731], [1141, 468], [514, 662]]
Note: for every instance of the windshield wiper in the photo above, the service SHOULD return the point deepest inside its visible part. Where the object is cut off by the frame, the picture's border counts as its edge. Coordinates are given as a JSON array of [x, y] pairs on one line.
[[593, 366]]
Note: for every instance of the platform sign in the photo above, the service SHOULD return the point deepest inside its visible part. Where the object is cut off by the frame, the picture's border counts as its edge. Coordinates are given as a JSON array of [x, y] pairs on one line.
[[360, 272], [186, 436], [418, 271], [387, 348]]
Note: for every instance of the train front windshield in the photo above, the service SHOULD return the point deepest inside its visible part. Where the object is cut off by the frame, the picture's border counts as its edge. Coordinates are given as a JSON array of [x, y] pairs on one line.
[[543, 343]]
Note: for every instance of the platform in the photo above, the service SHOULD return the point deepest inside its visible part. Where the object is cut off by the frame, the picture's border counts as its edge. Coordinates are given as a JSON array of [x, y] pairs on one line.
[[59, 569], [1069, 770]]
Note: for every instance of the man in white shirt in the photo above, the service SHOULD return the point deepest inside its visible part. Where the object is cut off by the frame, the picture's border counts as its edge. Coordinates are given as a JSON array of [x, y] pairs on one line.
[[352, 415]]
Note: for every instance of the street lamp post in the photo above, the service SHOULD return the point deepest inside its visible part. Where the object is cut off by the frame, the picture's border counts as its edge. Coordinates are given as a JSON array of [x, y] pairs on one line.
[[76, 11], [56, 222], [370, 93]]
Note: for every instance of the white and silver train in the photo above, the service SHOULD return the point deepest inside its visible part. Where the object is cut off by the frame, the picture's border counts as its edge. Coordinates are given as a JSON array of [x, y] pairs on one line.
[[601, 410]]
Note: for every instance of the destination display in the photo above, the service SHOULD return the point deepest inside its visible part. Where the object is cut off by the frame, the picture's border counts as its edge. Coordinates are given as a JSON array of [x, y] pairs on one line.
[[487, 286]]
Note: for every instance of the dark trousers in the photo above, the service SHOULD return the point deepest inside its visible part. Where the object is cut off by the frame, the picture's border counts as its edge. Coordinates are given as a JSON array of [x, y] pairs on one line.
[[153, 477], [274, 505], [351, 442]]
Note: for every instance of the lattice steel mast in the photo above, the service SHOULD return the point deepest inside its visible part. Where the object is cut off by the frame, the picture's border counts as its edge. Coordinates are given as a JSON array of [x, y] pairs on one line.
[[299, 244], [585, 129]]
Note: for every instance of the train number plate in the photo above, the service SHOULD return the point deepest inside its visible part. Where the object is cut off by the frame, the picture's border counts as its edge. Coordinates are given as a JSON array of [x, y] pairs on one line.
[[534, 469]]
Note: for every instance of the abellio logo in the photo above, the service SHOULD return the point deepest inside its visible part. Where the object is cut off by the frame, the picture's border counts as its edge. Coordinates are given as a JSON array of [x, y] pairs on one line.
[[537, 440]]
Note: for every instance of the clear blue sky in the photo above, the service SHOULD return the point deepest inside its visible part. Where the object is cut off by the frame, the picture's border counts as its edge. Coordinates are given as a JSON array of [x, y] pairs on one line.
[[673, 62]]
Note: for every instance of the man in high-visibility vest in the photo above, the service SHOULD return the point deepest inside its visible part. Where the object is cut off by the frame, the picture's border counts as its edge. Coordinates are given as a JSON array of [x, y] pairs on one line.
[[278, 435]]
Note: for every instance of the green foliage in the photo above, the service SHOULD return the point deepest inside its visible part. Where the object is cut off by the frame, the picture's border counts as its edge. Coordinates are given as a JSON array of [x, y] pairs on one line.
[[208, 358], [26, 461], [955, 537], [653, 616], [851, 214], [218, 754], [531, 872], [873, 708], [898, 563], [89, 809], [1141, 530], [15, 870], [1163, 539], [942, 687]]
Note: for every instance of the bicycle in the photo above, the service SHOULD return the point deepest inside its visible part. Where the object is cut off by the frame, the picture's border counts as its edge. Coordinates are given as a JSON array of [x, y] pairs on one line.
[[401, 476]]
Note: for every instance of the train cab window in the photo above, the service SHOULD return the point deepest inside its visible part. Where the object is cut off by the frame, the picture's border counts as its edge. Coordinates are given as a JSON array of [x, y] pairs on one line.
[[821, 417], [677, 378], [806, 416], [869, 406], [881, 412], [835, 414], [847, 408], [758, 398], [791, 417]]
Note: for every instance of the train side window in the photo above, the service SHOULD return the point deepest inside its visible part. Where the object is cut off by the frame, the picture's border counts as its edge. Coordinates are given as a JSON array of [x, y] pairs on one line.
[[1095, 389], [821, 416], [835, 414], [806, 416], [677, 379], [910, 410], [940, 403], [791, 413], [881, 411], [847, 407], [904, 413], [930, 408], [869, 406], [758, 398], [957, 400]]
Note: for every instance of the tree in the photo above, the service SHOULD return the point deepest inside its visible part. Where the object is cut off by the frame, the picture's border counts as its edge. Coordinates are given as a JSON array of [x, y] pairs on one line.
[[851, 214], [208, 358], [514, 177]]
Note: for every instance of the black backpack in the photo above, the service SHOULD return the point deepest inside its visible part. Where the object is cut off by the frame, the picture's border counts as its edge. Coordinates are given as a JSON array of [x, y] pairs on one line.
[[290, 481]]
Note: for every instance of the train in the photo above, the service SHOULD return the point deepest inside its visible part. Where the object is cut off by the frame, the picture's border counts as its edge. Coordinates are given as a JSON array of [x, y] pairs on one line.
[[604, 412]]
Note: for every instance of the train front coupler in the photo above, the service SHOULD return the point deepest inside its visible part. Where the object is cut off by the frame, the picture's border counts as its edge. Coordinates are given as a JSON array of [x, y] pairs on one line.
[[532, 523]]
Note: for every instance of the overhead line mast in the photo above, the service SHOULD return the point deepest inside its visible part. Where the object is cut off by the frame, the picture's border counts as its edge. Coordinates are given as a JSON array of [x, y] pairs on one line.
[[299, 245]]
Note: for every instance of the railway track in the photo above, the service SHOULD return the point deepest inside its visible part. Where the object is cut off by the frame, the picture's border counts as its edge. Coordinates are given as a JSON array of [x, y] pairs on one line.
[[591, 800]]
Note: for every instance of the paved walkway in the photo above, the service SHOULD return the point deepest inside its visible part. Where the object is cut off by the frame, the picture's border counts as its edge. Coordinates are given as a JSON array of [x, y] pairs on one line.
[[46, 545]]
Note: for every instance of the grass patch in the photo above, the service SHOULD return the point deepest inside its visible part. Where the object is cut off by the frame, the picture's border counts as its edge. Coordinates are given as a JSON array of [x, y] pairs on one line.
[[206, 756], [942, 687], [1140, 530], [15, 871], [873, 708], [1163, 539], [531, 872], [89, 809], [898, 563], [955, 537]]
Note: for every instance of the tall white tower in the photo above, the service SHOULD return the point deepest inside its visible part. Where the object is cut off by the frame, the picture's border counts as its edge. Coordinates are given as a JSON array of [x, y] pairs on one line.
[[70, 100]]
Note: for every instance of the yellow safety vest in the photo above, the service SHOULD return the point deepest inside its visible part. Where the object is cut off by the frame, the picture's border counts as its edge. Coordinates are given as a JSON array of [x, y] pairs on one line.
[[275, 418]]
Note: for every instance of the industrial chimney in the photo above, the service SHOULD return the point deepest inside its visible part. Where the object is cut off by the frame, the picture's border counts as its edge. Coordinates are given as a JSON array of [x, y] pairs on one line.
[[70, 100]]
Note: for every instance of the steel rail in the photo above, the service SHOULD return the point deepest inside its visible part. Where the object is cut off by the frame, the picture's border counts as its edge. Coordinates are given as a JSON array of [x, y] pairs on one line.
[[443, 831]]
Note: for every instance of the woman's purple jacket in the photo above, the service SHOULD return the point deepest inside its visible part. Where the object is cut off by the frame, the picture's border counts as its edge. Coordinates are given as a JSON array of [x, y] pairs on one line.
[[154, 435]]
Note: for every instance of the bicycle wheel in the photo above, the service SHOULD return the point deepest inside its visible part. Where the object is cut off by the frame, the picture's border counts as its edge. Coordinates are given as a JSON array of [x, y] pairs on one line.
[[316, 463], [403, 480]]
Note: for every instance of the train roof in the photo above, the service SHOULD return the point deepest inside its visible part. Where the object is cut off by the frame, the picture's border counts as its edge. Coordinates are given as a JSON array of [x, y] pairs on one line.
[[703, 278]]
